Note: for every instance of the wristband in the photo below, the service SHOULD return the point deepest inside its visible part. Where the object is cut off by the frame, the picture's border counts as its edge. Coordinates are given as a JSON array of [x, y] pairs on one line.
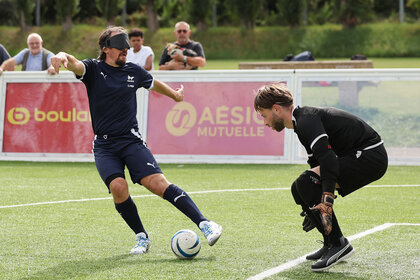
[[185, 59]]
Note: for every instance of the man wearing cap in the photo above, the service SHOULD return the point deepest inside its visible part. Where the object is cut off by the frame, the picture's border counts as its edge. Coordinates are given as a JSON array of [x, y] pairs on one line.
[[111, 85]]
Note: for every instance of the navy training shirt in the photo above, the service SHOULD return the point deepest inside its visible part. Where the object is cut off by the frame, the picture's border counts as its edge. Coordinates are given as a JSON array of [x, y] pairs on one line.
[[112, 95]]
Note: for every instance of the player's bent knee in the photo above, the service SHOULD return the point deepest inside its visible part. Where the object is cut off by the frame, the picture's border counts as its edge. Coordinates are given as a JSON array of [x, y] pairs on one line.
[[156, 183], [295, 194], [308, 187], [119, 188]]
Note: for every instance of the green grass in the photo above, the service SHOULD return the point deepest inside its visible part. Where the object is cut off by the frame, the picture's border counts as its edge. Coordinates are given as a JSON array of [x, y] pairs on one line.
[[89, 240]]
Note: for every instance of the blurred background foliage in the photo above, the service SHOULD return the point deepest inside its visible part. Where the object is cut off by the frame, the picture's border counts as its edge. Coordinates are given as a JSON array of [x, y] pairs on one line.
[[228, 29]]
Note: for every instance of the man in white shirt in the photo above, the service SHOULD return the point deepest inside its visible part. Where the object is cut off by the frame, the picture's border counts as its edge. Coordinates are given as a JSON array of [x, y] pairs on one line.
[[139, 54]]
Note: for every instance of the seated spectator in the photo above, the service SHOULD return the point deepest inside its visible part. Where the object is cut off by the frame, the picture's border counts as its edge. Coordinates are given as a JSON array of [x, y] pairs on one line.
[[4, 55], [139, 54], [188, 54], [33, 58]]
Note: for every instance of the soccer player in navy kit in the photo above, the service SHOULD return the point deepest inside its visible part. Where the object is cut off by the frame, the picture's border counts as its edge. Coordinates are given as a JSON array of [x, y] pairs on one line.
[[344, 154], [111, 85]]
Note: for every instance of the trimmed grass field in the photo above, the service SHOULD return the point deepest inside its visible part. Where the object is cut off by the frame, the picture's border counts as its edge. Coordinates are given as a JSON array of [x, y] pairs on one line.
[[65, 237]]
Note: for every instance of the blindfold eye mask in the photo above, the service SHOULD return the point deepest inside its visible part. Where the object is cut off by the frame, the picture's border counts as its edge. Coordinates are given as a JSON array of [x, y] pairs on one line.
[[119, 41]]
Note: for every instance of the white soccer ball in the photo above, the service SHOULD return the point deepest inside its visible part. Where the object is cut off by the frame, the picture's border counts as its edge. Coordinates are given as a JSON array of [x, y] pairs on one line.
[[185, 244]]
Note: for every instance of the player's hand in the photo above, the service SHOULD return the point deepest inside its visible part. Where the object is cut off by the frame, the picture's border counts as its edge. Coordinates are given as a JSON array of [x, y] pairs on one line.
[[307, 224], [57, 60], [1, 71], [324, 209], [179, 94]]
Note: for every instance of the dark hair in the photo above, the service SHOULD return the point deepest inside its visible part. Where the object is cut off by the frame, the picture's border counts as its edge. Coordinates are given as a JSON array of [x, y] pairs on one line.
[[269, 95], [106, 34], [135, 32]]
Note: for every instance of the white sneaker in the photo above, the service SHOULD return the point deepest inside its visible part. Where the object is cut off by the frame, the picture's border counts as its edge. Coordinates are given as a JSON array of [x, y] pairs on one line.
[[142, 246], [211, 231]]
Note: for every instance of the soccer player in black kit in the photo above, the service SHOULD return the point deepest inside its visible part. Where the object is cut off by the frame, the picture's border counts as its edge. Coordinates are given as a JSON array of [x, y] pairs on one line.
[[111, 85], [344, 154]]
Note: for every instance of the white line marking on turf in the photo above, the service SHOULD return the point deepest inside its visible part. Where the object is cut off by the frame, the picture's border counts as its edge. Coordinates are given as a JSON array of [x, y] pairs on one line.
[[196, 192], [295, 262]]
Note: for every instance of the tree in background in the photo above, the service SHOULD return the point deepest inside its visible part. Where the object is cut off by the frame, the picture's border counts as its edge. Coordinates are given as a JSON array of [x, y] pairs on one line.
[[24, 10], [353, 12], [65, 11], [247, 11], [87, 11], [152, 16], [320, 11], [110, 9], [414, 5], [7, 12], [290, 12], [199, 12]]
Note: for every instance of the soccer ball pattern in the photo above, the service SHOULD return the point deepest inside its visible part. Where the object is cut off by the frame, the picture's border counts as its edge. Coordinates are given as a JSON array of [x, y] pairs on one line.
[[185, 244]]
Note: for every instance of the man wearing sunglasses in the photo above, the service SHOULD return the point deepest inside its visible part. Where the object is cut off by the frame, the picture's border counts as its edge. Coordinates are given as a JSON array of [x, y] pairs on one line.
[[111, 85], [179, 60]]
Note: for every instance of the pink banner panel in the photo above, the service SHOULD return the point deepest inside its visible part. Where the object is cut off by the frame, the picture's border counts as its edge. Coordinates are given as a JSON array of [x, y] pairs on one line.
[[47, 118], [215, 118]]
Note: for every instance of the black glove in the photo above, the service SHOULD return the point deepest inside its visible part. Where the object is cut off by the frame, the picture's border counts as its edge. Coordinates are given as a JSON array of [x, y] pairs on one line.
[[307, 224]]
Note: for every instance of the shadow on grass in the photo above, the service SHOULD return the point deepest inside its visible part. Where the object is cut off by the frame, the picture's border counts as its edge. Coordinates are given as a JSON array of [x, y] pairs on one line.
[[83, 268]]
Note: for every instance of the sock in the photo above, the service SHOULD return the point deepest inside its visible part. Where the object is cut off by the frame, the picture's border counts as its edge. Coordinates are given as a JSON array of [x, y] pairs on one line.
[[128, 212], [184, 203], [335, 234]]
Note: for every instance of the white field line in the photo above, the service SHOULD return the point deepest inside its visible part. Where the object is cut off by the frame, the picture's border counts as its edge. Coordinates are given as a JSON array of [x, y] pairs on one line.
[[196, 192], [295, 262]]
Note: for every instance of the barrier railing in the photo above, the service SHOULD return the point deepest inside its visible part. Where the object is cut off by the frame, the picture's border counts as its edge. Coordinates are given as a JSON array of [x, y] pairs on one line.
[[45, 118]]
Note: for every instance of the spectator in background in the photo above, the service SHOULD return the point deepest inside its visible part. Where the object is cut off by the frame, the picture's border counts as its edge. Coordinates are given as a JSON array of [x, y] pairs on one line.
[[180, 60], [33, 58], [139, 54], [4, 55]]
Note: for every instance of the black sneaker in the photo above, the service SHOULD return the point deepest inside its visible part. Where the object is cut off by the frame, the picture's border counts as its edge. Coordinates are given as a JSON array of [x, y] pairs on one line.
[[318, 254], [334, 255]]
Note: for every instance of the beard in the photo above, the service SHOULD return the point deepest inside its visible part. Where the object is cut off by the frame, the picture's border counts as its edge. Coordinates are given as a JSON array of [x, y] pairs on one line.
[[120, 62], [278, 125]]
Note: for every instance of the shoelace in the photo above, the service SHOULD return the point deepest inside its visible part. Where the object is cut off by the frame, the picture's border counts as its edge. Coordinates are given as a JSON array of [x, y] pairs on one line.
[[142, 242], [207, 230]]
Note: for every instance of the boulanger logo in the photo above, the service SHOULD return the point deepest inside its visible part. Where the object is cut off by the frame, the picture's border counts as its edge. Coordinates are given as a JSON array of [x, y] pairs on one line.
[[22, 115], [18, 116], [181, 119]]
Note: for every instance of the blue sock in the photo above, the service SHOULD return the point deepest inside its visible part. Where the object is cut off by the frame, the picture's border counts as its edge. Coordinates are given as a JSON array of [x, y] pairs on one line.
[[128, 212], [184, 203]]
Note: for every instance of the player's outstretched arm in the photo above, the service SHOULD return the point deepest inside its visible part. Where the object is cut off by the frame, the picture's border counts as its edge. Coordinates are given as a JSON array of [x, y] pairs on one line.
[[162, 88], [69, 62]]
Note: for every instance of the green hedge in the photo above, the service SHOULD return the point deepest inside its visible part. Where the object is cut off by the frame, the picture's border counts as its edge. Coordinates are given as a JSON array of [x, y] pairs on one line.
[[372, 40]]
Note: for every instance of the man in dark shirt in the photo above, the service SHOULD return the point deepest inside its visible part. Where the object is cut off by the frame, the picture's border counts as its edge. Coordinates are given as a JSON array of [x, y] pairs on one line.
[[180, 60], [344, 154], [111, 85], [4, 55]]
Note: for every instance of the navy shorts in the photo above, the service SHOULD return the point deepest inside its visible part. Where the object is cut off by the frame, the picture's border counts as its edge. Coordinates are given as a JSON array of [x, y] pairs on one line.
[[113, 153]]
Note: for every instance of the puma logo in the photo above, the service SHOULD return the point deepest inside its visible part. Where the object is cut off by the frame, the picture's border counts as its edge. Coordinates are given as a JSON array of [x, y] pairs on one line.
[[151, 164], [179, 196], [102, 73]]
